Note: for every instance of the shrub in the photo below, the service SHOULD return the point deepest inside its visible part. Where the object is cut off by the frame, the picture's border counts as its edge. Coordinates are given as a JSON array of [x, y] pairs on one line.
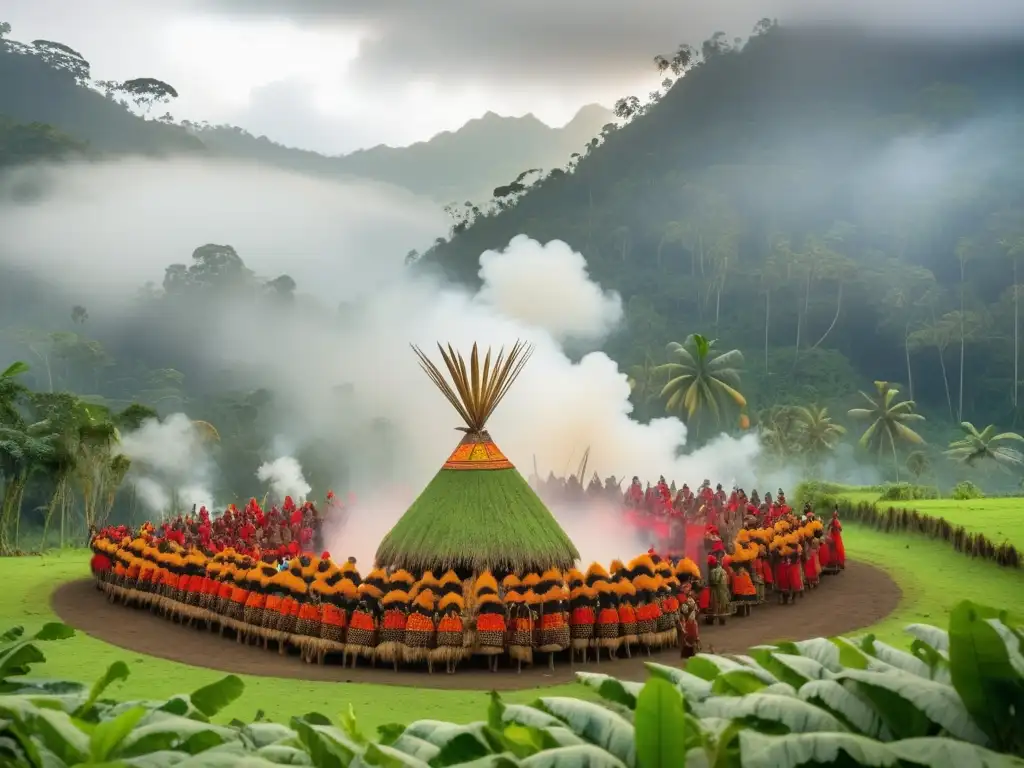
[[907, 492], [965, 490], [955, 699]]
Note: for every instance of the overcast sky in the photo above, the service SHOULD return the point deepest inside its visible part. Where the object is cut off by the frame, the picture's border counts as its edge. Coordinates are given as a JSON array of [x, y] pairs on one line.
[[334, 75]]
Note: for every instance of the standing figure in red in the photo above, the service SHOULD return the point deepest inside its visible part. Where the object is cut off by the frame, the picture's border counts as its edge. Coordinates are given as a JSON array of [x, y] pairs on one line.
[[837, 551]]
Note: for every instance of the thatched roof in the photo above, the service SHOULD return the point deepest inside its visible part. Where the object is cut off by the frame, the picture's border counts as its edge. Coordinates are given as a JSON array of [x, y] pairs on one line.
[[478, 512]]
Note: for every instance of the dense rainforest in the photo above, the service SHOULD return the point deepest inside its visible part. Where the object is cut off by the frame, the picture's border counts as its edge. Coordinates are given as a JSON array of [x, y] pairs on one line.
[[841, 208], [816, 232]]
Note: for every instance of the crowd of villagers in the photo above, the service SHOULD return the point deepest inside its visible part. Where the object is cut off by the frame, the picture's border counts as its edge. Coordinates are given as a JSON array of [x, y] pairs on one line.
[[292, 598]]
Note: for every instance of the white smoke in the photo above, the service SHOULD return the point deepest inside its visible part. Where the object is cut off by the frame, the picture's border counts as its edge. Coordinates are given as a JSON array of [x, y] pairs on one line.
[[171, 468], [284, 475], [548, 287], [540, 293]]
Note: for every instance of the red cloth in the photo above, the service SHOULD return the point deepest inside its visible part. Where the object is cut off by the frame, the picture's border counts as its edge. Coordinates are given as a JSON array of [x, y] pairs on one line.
[[837, 547]]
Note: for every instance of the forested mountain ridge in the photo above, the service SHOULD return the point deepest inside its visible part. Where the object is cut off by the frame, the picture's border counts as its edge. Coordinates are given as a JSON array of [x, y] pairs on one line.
[[840, 207], [466, 164], [48, 83]]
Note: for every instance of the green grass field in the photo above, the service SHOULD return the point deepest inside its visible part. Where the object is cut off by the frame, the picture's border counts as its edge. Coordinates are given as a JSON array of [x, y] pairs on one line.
[[999, 519], [932, 576]]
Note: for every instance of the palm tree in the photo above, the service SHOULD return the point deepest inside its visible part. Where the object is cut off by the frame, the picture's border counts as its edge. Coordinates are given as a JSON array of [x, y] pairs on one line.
[[643, 380], [65, 412], [701, 379], [24, 448], [817, 433], [95, 467], [889, 418], [779, 430], [11, 390], [986, 445], [918, 464]]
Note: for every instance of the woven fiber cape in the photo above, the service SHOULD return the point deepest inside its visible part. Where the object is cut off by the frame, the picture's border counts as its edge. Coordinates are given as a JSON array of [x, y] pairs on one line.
[[478, 513]]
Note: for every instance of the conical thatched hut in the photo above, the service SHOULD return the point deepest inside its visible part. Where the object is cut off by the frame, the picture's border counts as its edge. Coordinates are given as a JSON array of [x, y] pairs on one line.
[[478, 513]]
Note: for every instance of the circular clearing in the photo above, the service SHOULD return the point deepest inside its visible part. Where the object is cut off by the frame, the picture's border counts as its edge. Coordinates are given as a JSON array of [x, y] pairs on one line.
[[856, 598]]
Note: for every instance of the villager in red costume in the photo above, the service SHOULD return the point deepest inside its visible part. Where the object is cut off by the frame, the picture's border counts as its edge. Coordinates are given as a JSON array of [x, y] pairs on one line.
[[634, 498], [835, 529]]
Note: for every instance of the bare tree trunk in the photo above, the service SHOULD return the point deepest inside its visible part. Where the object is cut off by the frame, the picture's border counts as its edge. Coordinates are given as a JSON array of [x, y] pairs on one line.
[[906, 352], [801, 318], [960, 396], [895, 458], [945, 378], [721, 287], [839, 307]]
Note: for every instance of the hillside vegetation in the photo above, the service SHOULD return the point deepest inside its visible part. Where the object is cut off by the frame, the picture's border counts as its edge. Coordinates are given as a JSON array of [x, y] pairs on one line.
[[816, 235], [839, 208]]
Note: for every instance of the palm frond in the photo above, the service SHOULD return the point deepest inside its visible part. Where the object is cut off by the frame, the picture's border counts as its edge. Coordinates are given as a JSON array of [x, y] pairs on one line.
[[475, 394]]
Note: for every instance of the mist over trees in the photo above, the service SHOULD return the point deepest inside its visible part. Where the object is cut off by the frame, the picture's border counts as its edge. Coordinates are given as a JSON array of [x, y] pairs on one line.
[[804, 219], [839, 224]]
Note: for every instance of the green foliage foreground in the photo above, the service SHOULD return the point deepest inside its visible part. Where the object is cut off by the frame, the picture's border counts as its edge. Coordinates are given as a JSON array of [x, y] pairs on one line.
[[956, 699]]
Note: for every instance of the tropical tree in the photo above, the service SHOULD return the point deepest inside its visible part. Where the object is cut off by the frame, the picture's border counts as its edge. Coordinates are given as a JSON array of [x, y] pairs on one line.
[[816, 432], [988, 446], [889, 419], [24, 448], [701, 380], [11, 390], [780, 430], [99, 467], [643, 380], [918, 464]]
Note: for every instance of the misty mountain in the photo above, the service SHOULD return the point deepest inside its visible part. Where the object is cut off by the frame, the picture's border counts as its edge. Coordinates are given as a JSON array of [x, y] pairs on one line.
[[452, 166], [839, 207], [466, 164]]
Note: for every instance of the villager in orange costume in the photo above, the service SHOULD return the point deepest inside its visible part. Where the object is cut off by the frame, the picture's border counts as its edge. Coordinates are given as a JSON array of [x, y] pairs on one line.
[[648, 611], [744, 593], [582, 616], [363, 623], [340, 600], [553, 622], [421, 628], [256, 603], [391, 636], [491, 625], [278, 588], [627, 613], [451, 644], [520, 621], [607, 628], [668, 600]]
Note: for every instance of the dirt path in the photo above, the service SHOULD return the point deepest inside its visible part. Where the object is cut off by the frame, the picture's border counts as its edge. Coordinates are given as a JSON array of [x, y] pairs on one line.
[[856, 598]]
